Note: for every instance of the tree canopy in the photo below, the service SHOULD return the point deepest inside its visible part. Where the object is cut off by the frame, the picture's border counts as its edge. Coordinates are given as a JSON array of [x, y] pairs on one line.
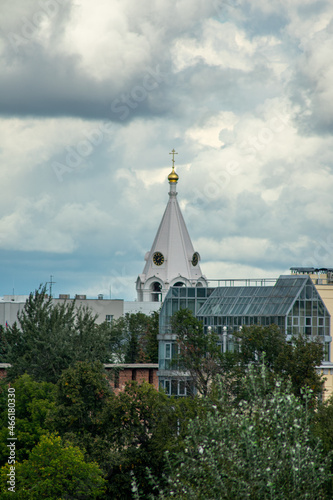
[[259, 448], [49, 338], [54, 470], [199, 354], [134, 338]]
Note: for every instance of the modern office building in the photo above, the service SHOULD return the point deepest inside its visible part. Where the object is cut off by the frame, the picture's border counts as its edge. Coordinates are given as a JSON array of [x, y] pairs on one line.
[[292, 303]]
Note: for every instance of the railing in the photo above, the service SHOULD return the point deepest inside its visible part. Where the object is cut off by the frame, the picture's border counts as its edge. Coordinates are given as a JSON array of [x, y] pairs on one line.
[[242, 282]]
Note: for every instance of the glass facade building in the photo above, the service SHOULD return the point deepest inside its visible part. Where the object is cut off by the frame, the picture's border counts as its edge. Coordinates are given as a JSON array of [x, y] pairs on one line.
[[293, 304]]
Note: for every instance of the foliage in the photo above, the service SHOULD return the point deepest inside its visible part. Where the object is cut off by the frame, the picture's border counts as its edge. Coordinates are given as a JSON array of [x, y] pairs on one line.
[[3, 344], [261, 448], [199, 353], [82, 394], [148, 342], [33, 401], [54, 470], [134, 338], [295, 361], [299, 361], [323, 424], [254, 341], [144, 423], [50, 338]]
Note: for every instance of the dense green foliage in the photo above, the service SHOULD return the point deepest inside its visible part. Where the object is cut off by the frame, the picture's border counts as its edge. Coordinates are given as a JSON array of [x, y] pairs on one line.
[[34, 400], [199, 354], [260, 448], [254, 432], [49, 338], [54, 470], [134, 338], [295, 361], [81, 397]]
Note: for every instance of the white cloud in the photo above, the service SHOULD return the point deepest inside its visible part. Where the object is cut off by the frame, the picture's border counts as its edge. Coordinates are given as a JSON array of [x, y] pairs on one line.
[[245, 99]]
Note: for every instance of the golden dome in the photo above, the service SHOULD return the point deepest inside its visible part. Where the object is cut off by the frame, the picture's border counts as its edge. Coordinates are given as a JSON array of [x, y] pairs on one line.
[[173, 177]]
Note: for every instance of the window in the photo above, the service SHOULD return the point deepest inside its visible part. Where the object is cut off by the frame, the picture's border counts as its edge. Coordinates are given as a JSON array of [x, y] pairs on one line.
[[182, 388], [109, 318], [174, 387], [308, 329], [151, 376], [156, 295], [326, 351], [116, 379], [167, 356]]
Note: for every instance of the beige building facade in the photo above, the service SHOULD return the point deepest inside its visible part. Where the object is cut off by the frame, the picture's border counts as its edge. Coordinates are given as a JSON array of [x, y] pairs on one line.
[[323, 280]]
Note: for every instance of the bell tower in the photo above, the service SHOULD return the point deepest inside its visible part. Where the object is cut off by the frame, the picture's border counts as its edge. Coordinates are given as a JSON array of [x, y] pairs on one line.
[[172, 260]]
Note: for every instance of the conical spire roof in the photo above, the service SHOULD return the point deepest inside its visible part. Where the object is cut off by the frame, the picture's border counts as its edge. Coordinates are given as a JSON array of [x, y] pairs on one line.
[[172, 258]]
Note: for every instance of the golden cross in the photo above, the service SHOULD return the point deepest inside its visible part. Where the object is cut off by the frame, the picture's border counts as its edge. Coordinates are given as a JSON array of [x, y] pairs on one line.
[[173, 153]]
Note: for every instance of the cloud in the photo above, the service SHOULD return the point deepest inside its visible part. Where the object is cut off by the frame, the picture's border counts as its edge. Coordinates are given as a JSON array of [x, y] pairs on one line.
[[92, 100]]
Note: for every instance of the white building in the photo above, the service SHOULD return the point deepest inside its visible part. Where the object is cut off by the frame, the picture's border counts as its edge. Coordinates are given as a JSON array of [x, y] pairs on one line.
[[172, 260]]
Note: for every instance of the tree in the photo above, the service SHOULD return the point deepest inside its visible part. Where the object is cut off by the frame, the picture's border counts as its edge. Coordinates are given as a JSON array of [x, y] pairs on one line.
[[33, 401], [3, 344], [295, 361], [299, 361], [259, 448], [49, 338], [143, 424], [199, 354], [134, 337], [148, 343], [54, 470], [81, 398]]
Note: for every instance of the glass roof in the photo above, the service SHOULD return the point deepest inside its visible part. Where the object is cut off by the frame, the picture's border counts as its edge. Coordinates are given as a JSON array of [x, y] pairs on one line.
[[254, 300]]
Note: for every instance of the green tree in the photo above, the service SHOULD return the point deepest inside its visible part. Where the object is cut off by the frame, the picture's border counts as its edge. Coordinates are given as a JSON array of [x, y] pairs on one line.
[[143, 424], [54, 470], [261, 447], [295, 361], [299, 361], [82, 394], [148, 343], [3, 344], [49, 338], [199, 354], [134, 338], [33, 402]]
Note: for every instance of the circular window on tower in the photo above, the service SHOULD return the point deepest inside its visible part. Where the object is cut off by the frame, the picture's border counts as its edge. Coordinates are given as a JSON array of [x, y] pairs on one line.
[[195, 259], [158, 258]]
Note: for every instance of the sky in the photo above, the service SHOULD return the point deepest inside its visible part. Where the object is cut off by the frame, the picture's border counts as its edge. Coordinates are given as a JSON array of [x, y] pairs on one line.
[[95, 95]]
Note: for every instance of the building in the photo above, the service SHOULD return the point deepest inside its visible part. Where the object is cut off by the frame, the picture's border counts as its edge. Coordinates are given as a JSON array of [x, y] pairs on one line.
[[322, 279], [172, 260], [122, 373], [105, 309], [293, 303]]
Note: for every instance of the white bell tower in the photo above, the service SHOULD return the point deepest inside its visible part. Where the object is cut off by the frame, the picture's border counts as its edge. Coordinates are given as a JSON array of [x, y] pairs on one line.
[[172, 260]]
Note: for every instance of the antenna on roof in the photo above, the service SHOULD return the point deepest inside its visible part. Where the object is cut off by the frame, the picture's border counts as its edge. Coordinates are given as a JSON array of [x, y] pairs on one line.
[[51, 282]]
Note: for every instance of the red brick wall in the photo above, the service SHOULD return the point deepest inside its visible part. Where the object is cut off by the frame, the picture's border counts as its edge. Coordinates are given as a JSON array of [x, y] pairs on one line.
[[140, 375], [126, 374]]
